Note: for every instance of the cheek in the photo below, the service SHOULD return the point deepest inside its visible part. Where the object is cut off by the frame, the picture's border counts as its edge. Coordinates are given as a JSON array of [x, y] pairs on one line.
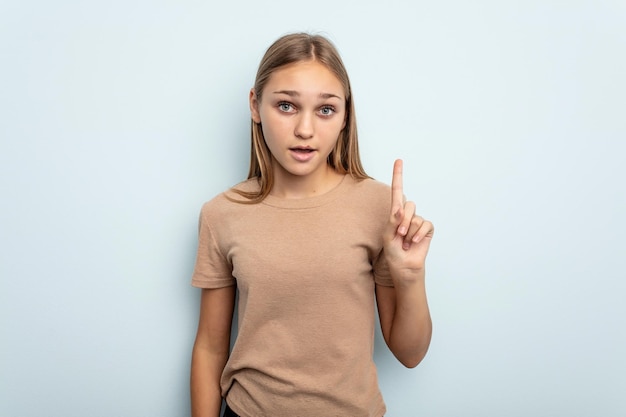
[[273, 135], [276, 128], [270, 129], [267, 136], [333, 132]]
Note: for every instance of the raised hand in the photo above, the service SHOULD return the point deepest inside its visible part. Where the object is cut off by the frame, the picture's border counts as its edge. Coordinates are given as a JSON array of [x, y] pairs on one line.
[[407, 236]]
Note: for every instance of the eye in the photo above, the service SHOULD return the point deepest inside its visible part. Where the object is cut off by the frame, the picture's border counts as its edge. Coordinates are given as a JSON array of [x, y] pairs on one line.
[[327, 111], [285, 106]]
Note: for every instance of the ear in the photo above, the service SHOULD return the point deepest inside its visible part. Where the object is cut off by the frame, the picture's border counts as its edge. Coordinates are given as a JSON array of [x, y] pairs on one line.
[[254, 106]]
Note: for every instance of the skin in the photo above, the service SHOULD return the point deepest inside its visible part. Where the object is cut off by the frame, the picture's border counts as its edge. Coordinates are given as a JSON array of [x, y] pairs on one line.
[[404, 314], [303, 106]]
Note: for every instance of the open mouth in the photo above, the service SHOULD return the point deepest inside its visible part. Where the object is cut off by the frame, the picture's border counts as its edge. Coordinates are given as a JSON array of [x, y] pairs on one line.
[[302, 154]]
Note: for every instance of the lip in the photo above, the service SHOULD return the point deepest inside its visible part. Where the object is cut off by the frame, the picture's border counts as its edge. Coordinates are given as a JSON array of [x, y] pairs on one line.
[[302, 153]]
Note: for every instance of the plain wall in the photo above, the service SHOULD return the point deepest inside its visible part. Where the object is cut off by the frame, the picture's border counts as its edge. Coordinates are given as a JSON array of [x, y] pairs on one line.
[[118, 119]]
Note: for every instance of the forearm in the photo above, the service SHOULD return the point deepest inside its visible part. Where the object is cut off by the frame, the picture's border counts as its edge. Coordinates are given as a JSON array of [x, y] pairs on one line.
[[206, 370], [403, 309], [411, 327]]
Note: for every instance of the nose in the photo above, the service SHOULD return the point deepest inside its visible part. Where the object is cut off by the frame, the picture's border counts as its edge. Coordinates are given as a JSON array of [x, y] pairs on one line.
[[305, 126]]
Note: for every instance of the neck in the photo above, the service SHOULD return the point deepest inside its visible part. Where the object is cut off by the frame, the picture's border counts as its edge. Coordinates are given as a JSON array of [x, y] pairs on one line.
[[291, 186]]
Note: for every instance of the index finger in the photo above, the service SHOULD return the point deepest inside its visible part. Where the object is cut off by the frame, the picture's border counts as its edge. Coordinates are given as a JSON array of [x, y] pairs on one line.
[[397, 194]]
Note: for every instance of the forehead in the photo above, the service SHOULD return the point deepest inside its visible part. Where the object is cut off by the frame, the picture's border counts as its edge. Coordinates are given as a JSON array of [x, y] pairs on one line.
[[305, 77]]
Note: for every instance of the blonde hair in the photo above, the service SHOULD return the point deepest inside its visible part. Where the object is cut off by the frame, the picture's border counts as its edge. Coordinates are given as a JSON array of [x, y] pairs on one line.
[[289, 49]]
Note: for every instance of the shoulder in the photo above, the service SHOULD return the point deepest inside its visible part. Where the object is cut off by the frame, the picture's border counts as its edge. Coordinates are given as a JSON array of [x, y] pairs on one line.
[[370, 188], [229, 200], [368, 193], [373, 186], [249, 185]]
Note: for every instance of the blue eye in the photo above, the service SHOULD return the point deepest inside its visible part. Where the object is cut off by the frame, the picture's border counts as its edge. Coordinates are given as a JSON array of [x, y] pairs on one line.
[[285, 107], [327, 111]]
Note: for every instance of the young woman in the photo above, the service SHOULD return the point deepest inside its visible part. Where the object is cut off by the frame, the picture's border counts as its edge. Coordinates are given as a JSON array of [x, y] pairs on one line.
[[310, 242]]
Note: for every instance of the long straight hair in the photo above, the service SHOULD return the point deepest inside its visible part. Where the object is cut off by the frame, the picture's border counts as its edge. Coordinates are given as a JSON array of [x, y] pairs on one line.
[[289, 49]]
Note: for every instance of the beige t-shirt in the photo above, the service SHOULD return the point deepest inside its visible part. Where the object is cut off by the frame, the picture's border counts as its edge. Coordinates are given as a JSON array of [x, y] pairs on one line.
[[306, 271]]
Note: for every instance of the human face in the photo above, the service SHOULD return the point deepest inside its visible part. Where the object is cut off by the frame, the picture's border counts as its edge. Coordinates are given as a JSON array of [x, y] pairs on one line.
[[302, 112]]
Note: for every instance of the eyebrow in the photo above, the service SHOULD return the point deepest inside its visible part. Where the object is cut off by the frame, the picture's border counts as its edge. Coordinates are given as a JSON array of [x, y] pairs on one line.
[[293, 93]]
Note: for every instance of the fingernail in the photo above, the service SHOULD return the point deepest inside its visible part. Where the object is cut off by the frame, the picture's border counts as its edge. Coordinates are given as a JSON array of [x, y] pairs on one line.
[[416, 238], [402, 230], [406, 246]]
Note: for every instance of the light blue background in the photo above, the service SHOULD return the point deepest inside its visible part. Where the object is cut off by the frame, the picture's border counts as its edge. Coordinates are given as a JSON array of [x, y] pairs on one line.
[[118, 119]]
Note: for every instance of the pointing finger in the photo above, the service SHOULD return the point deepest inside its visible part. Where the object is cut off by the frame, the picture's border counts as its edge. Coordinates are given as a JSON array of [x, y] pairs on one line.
[[397, 194]]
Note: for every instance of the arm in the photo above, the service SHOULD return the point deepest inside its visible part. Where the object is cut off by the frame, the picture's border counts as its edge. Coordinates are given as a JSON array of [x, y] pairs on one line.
[[211, 350], [403, 310], [405, 321]]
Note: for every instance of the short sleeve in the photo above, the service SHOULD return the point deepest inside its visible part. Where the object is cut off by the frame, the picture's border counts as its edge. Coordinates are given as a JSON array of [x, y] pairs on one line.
[[212, 269], [382, 276]]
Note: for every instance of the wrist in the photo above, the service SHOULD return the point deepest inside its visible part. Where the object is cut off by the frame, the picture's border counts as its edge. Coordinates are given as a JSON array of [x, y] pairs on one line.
[[408, 276]]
